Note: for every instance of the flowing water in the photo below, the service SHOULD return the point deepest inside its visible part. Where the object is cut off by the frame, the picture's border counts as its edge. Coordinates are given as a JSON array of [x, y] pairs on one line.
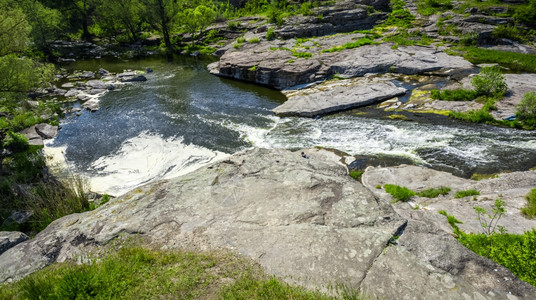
[[183, 118]]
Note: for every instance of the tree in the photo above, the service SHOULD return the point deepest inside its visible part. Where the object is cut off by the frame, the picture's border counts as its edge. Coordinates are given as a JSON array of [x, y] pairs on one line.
[[197, 19], [45, 23], [14, 29], [118, 15], [162, 15]]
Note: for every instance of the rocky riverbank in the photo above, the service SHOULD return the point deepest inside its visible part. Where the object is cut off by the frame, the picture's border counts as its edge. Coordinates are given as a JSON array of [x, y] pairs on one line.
[[305, 220]]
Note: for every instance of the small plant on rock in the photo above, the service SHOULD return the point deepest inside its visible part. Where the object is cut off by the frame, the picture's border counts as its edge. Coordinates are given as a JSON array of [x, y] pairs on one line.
[[530, 209], [270, 34], [462, 194], [400, 193], [490, 82], [526, 109], [490, 224]]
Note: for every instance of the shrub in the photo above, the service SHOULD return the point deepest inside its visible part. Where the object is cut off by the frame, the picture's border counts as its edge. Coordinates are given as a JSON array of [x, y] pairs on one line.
[[475, 116], [233, 25], [454, 95], [515, 252], [270, 34], [530, 209], [508, 32], [400, 193], [466, 193], [490, 82], [432, 193], [526, 110], [15, 142]]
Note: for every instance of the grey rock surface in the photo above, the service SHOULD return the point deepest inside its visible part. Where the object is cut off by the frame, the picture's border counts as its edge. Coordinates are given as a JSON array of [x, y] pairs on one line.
[[511, 187], [46, 131], [303, 219], [9, 239], [271, 63], [337, 95], [33, 137]]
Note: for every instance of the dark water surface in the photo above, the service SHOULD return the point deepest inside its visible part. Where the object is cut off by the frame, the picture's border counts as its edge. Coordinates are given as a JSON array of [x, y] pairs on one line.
[[183, 118]]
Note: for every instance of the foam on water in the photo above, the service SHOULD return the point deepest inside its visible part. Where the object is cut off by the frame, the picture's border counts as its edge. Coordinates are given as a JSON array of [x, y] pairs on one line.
[[145, 158]]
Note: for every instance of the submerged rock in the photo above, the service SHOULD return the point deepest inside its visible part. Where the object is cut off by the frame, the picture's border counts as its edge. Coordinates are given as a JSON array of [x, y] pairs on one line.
[[303, 219]]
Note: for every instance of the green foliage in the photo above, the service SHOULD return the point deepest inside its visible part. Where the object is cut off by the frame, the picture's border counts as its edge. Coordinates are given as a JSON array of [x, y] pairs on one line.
[[474, 116], [432, 193], [197, 19], [490, 223], [490, 82], [466, 193], [254, 40], [515, 252], [529, 210], [133, 272], [358, 43], [15, 142], [14, 29], [453, 222], [400, 193], [20, 74], [399, 16], [241, 40], [409, 39], [45, 23], [526, 13], [454, 95], [515, 61], [116, 16], [104, 199], [508, 32], [253, 69], [233, 25], [430, 7], [302, 54], [270, 34], [356, 174], [53, 200], [526, 110]]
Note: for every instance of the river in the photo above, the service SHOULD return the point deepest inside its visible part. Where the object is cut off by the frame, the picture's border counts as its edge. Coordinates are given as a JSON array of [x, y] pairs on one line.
[[183, 118]]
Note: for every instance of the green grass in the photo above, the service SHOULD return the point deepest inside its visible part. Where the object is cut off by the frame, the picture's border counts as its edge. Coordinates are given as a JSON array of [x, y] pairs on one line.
[[430, 7], [400, 193], [356, 174], [515, 61], [432, 193], [254, 40], [352, 45], [466, 193], [454, 95], [529, 210], [474, 116], [133, 272]]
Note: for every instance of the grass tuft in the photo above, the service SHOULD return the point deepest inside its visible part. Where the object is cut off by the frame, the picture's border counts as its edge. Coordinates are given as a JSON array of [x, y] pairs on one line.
[[466, 193], [432, 193], [400, 193], [529, 210]]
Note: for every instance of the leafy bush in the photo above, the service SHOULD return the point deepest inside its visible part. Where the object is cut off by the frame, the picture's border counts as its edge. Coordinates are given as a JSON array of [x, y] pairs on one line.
[[466, 193], [400, 193], [474, 116], [526, 13], [526, 109], [515, 252], [530, 209], [432, 193], [515, 61], [491, 223], [15, 142], [508, 32], [454, 95], [270, 34], [490, 82]]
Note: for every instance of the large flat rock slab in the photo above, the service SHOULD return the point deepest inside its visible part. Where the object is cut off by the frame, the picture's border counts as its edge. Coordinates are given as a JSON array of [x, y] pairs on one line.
[[278, 63], [337, 95], [301, 218]]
